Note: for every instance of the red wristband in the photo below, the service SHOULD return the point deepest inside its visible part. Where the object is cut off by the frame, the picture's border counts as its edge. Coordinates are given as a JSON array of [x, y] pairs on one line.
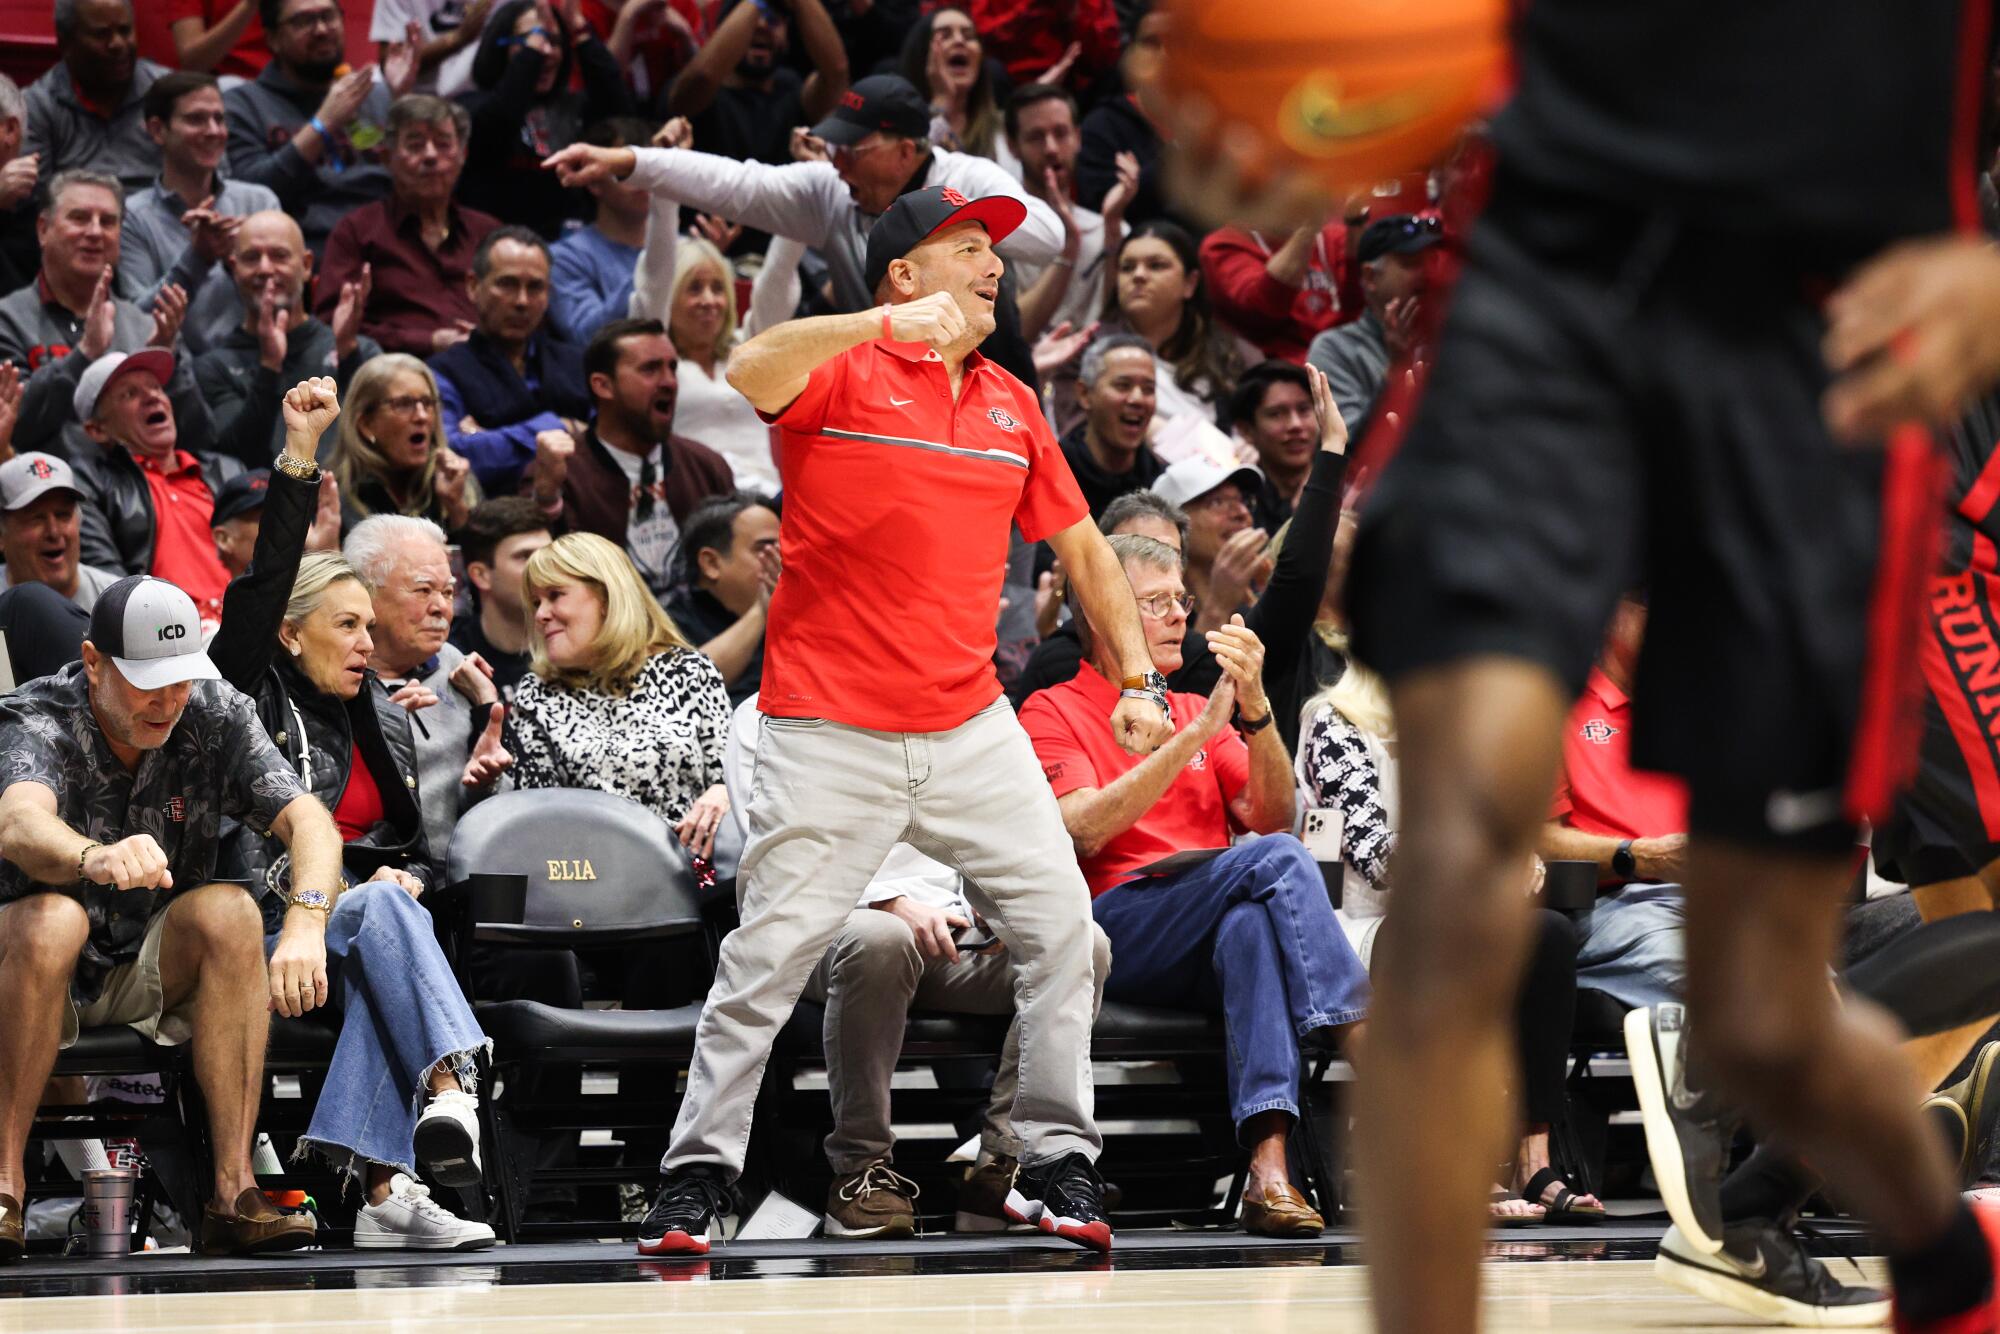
[[885, 323]]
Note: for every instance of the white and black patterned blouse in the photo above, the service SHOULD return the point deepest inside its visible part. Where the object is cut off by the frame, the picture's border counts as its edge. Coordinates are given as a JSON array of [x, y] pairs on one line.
[[1340, 773], [217, 762], [659, 745]]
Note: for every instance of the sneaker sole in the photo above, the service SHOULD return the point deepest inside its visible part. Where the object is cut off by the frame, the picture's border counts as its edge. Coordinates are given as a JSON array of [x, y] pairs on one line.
[[675, 1243], [1723, 1288], [899, 1227], [391, 1242], [1094, 1236], [1663, 1142], [445, 1154]]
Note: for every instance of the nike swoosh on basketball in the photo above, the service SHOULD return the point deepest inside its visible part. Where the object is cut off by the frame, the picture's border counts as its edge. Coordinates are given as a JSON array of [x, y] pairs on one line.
[[895, 402]]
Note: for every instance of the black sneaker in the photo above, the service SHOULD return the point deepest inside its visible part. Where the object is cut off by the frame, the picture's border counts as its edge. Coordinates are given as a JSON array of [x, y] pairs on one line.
[[1687, 1137], [1764, 1272], [1065, 1198], [690, 1201]]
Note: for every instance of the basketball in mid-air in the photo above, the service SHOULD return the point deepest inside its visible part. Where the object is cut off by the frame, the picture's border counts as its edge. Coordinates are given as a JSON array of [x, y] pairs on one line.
[[1350, 91]]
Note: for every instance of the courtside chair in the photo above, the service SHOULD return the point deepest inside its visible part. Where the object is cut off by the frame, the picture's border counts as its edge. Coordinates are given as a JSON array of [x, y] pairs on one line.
[[565, 869]]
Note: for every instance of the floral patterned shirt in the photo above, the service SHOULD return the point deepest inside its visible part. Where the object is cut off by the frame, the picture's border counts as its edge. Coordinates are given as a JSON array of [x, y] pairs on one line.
[[217, 762]]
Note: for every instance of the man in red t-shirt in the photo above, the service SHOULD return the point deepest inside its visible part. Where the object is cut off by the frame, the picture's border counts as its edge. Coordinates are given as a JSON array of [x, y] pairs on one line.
[[908, 460], [1633, 824], [1249, 932]]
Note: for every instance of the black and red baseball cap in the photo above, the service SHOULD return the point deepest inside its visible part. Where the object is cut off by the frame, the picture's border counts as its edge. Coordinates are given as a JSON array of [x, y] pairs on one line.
[[886, 102], [922, 213]]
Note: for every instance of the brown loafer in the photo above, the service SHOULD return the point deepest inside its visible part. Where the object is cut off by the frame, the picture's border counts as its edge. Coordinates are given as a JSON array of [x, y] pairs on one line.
[[13, 1238], [1282, 1212], [259, 1228]]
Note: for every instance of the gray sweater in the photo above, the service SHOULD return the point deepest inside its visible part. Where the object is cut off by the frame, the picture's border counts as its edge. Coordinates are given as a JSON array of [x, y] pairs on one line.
[[42, 336], [68, 136], [1355, 360], [154, 250], [444, 734], [267, 111]]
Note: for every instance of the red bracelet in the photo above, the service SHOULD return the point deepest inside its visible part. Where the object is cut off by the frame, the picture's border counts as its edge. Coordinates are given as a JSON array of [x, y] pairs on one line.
[[885, 323]]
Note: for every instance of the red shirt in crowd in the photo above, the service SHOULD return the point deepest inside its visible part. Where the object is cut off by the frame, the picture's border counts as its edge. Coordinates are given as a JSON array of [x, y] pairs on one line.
[[183, 534], [360, 806], [1028, 36], [1599, 791], [1280, 320], [898, 505], [250, 53], [1070, 728]]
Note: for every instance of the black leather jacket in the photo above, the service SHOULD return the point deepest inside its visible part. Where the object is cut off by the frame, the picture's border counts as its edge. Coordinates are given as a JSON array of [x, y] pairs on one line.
[[316, 731], [117, 516]]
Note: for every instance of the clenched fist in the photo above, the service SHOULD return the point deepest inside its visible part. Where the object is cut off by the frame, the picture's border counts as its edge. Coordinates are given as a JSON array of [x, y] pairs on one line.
[[130, 863], [310, 407], [934, 319]]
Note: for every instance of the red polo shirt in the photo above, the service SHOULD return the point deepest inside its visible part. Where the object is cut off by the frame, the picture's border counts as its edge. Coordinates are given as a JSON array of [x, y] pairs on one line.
[[183, 532], [1599, 791], [1070, 728], [898, 504]]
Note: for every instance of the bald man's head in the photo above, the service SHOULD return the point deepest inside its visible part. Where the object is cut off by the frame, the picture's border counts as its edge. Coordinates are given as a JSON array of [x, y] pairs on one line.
[[271, 259]]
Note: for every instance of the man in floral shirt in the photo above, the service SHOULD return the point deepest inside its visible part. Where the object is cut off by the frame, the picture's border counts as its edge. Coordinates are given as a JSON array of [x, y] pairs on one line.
[[115, 776]]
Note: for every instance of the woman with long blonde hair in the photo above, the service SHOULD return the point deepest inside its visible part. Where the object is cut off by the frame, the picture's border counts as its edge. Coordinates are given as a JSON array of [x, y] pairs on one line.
[[390, 456], [616, 698]]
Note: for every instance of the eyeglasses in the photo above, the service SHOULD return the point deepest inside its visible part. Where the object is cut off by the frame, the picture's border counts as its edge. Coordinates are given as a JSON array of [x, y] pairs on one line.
[[406, 405], [317, 18], [1159, 606]]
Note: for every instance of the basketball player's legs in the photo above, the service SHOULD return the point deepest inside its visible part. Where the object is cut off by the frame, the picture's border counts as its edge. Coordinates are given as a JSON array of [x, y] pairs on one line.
[[1478, 745], [1829, 1079]]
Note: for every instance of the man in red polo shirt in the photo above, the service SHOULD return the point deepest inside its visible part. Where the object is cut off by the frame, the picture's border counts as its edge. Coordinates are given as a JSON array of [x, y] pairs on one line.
[[1249, 932], [149, 506], [1632, 823], [908, 459]]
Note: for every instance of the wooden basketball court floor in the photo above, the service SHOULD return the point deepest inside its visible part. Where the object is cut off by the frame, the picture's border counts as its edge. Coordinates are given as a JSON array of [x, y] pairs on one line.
[[1572, 1280]]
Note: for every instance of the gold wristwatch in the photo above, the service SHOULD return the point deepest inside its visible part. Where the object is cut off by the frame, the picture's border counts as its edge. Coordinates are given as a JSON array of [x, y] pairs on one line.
[[306, 470]]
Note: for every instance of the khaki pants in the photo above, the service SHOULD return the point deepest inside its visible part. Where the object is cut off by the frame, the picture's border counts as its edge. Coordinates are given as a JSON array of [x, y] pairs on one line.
[[827, 802], [869, 981], [133, 996]]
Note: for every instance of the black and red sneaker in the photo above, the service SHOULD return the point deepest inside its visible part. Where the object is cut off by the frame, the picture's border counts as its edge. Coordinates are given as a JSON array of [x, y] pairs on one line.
[[1982, 1319], [1064, 1198], [691, 1201]]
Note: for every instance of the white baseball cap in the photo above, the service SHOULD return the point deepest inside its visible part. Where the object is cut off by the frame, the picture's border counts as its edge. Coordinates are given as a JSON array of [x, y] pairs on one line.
[[149, 630], [97, 376], [25, 478], [1199, 475]]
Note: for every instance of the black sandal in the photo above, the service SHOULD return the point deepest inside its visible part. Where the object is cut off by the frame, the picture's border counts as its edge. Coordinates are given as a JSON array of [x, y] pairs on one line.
[[1564, 1211]]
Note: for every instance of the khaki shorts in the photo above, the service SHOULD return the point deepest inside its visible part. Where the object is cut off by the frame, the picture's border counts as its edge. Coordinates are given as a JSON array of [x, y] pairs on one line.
[[132, 996]]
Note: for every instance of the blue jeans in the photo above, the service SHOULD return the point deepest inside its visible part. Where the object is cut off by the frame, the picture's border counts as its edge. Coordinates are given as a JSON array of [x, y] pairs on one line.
[[1251, 934], [1634, 945], [401, 1014]]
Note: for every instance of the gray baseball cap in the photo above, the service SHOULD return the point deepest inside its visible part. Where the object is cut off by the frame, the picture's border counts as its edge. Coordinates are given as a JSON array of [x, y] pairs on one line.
[[149, 630], [26, 478], [97, 376]]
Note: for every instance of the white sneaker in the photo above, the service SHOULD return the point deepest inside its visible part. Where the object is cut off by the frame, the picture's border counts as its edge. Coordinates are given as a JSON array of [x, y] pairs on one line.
[[410, 1220], [448, 1139]]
